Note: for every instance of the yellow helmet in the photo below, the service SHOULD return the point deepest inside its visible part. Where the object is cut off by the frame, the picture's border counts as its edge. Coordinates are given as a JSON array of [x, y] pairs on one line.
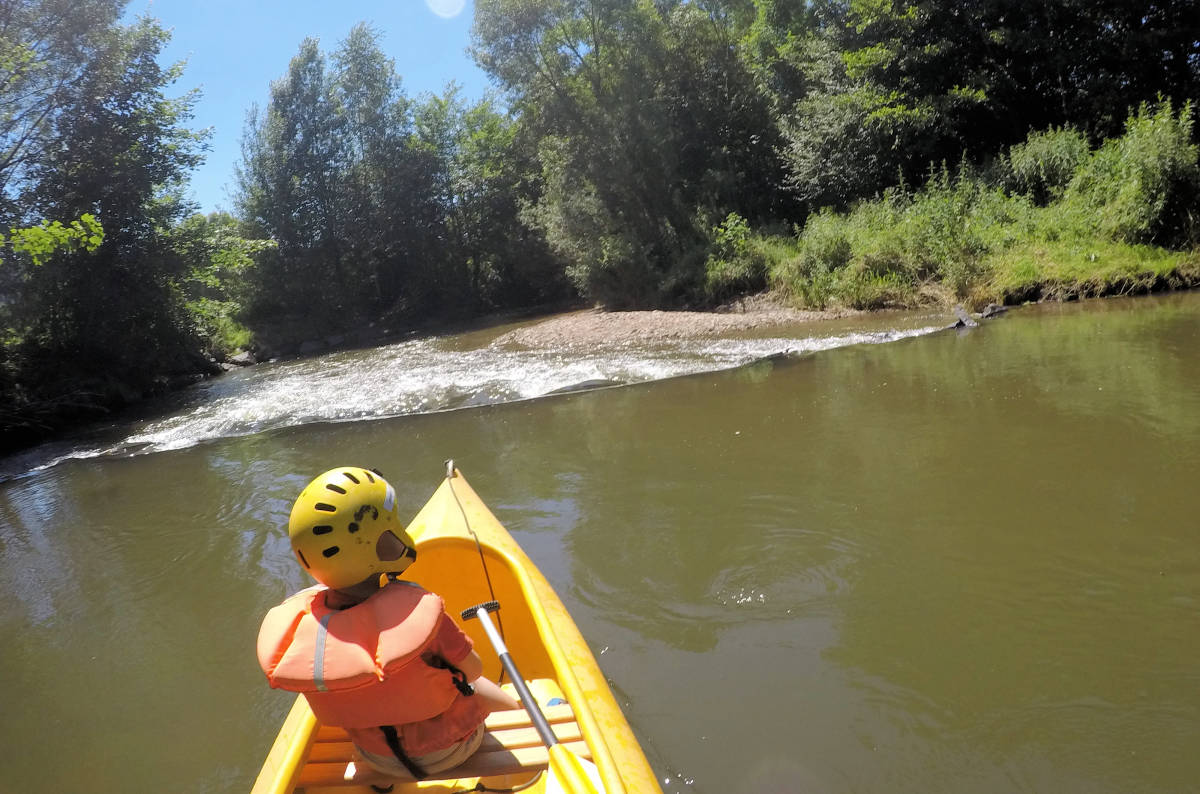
[[337, 523]]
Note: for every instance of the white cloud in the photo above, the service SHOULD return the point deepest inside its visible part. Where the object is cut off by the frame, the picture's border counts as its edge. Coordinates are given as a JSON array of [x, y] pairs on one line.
[[447, 9]]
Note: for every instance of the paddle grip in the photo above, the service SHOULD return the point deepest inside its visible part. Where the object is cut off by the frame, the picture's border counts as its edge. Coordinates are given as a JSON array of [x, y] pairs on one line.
[[489, 606]]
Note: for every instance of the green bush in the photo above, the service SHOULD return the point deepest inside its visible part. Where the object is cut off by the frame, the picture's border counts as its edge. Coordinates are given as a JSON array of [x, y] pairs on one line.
[[1044, 165], [1144, 186], [866, 290], [737, 262], [1113, 220], [940, 236], [881, 252], [824, 248]]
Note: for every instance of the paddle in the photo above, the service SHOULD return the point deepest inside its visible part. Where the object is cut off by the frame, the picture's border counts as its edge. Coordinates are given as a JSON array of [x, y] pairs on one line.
[[568, 767]]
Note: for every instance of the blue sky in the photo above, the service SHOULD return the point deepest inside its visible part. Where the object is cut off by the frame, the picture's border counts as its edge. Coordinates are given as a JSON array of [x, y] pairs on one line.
[[234, 48]]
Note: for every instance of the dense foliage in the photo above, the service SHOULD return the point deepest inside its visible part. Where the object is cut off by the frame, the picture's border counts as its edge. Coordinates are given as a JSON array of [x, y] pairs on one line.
[[90, 141], [1053, 218], [637, 153], [383, 208]]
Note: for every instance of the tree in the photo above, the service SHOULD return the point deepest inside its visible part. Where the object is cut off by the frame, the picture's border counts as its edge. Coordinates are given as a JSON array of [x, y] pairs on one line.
[[96, 329], [123, 155], [214, 258], [291, 188], [45, 48], [384, 208], [396, 223], [334, 171], [496, 259], [647, 126]]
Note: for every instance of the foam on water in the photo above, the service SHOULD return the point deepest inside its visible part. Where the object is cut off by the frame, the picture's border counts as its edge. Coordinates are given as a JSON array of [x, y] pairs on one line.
[[423, 376]]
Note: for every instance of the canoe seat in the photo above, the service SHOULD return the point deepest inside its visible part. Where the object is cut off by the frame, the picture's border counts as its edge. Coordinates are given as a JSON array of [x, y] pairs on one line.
[[510, 746]]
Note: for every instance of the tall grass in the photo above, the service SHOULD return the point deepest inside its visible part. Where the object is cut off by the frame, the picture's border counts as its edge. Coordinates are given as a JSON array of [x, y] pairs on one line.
[[1055, 218]]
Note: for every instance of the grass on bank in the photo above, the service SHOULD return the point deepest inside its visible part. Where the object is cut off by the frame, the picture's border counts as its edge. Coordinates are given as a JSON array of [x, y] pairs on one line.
[[1054, 218]]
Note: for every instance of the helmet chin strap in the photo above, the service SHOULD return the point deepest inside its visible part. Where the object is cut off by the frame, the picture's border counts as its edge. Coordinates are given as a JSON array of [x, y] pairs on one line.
[[387, 578]]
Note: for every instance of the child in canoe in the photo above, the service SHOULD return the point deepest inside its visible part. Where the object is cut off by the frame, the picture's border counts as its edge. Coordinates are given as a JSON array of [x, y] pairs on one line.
[[373, 653]]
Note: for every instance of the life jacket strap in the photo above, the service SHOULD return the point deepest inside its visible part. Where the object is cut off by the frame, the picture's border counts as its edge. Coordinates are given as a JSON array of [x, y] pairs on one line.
[[392, 738], [464, 687]]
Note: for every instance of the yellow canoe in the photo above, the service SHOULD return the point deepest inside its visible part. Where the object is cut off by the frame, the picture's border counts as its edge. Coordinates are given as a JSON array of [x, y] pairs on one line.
[[466, 556]]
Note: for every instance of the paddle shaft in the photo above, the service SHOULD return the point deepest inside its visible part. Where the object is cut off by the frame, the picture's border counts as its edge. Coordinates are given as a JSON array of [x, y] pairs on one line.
[[510, 667]]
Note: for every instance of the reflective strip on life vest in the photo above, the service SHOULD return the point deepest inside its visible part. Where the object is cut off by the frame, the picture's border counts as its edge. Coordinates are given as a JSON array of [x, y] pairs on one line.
[[319, 653]]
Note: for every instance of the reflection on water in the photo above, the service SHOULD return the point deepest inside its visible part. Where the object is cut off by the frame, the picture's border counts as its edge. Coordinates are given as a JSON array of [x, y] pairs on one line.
[[953, 563]]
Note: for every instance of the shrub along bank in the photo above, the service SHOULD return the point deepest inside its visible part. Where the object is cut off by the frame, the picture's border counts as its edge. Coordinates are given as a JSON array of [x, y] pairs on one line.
[[1052, 218]]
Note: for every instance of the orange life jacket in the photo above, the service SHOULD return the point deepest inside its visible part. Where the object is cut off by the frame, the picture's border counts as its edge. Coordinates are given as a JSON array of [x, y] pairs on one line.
[[369, 666]]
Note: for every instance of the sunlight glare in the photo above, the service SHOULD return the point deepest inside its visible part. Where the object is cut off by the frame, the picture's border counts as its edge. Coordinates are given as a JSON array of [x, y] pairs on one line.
[[447, 9]]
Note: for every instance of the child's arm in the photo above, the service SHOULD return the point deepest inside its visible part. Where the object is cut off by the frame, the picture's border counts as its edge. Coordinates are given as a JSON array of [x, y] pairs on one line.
[[472, 666], [453, 646]]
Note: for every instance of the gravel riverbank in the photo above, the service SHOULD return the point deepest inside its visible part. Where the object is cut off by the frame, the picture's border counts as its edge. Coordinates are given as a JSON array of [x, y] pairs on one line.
[[592, 327]]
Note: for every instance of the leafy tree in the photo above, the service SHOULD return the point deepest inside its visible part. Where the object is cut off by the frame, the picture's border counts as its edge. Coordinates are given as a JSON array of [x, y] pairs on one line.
[[487, 258], [395, 227], [337, 173], [100, 328], [384, 208], [507, 263], [49, 237], [291, 189], [45, 48], [646, 124], [778, 41]]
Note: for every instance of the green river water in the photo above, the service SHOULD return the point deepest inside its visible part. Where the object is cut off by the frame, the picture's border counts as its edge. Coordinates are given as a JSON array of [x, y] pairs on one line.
[[962, 562]]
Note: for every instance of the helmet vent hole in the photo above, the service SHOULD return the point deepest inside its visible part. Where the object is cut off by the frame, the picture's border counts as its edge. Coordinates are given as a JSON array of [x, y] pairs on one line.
[[369, 477], [325, 508], [351, 477], [303, 561], [323, 529], [332, 550], [335, 488], [353, 527]]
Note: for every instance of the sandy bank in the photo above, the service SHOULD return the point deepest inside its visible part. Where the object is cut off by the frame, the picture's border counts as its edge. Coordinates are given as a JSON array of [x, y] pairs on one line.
[[593, 327]]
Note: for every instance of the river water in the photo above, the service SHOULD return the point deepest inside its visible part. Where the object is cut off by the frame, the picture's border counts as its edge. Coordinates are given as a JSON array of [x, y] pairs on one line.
[[899, 561]]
